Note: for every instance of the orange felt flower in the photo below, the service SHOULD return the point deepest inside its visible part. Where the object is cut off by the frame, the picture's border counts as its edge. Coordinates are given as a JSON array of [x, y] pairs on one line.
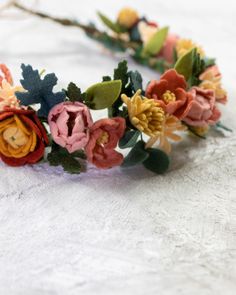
[[22, 137]]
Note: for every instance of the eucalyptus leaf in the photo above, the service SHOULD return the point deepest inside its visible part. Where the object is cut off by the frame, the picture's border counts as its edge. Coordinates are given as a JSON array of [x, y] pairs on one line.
[[103, 95], [115, 27], [155, 44], [184, 64], [129, 139], [137, 155], [157, 162]]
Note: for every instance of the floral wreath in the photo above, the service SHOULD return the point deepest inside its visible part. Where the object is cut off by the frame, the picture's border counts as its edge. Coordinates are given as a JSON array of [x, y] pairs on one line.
[[38, 124]]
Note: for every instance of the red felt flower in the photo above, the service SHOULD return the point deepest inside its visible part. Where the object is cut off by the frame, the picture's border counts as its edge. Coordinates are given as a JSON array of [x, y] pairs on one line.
[[104, 137], [22, 137], [170, 92]]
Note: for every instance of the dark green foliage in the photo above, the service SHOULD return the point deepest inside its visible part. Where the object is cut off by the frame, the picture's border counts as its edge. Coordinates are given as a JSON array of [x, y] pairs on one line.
[[39, 91], [157, 161]]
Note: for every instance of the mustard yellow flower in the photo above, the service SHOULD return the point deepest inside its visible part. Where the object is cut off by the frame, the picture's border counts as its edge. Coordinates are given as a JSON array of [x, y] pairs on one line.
[[171, 124], [7, 95], [184, 45], [145, 114], [201, 131], [127, 17]]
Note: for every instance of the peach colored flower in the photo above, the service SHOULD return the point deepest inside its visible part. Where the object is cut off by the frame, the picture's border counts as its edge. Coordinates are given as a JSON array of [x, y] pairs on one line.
[[211, 79], [167, 51], [104, 137], [146, 31], [6, 74], [7, 95], [201, 110], [170, 93], [69, 124], [170, 126]]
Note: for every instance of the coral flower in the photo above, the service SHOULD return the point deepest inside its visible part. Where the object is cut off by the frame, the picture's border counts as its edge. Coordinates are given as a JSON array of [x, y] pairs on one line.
[[201, 110], [104, 137], [22, 137], [170, 93], [6, 74], [7, 95], [144, 114], [211, 79], [167, 52], [184, 45], [170, 126], [127, 17]]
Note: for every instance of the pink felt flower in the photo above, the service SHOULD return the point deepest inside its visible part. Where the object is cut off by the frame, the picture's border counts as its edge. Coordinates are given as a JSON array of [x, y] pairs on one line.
[[6, 74], [201, 110], [69, 124], [167, 51], [170, 92], [104, 137]]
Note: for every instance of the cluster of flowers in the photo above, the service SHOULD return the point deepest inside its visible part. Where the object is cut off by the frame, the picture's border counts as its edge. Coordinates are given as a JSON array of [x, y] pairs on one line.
[[64, 122]]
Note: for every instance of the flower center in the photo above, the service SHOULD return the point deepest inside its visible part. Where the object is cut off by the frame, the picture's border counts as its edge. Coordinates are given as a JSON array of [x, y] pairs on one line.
[[103, 139], [15, 137], [168, 96]]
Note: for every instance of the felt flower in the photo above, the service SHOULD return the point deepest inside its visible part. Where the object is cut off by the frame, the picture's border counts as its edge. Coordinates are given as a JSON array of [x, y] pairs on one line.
[[170, 126], [69, 124], [146, 30], [7, 95], [211, 79], [104, 137], [127, 17], [144, 114], [6, 74], [201, 110], [170, 93], [184, 45], [22, 137], [167, 52]]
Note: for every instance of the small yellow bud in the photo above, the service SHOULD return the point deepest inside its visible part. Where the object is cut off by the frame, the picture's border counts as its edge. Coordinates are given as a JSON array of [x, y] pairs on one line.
[[127, 17]]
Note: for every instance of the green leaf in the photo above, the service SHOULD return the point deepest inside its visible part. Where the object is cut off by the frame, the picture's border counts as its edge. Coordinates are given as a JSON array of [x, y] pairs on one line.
[[74, 93], [155, 44], [137, 155], [39, 91], [60, 157], [106, 78], [157, 162], [129, 139], [115, 27], [103, 95], [184, 64], [136, 80], [222, 126], [121, 73]]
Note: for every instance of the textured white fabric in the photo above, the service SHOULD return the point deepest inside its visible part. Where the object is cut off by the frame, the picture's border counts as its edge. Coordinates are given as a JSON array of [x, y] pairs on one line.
[[121, 232]]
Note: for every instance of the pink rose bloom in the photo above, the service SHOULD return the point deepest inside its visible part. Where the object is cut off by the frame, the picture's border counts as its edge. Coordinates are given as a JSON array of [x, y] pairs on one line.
[[167, 51], [69, 124], [6, 74], [201, 110], [104, 137]]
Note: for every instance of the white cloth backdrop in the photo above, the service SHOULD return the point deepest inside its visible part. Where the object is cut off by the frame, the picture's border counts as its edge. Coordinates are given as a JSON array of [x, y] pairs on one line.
[[121, 232]]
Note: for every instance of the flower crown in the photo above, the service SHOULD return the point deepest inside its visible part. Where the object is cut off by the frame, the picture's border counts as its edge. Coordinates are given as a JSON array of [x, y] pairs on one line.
[[144, 120]]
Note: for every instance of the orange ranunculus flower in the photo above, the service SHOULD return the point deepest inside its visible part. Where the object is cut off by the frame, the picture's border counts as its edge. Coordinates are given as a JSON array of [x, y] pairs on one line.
[[22, 137]]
